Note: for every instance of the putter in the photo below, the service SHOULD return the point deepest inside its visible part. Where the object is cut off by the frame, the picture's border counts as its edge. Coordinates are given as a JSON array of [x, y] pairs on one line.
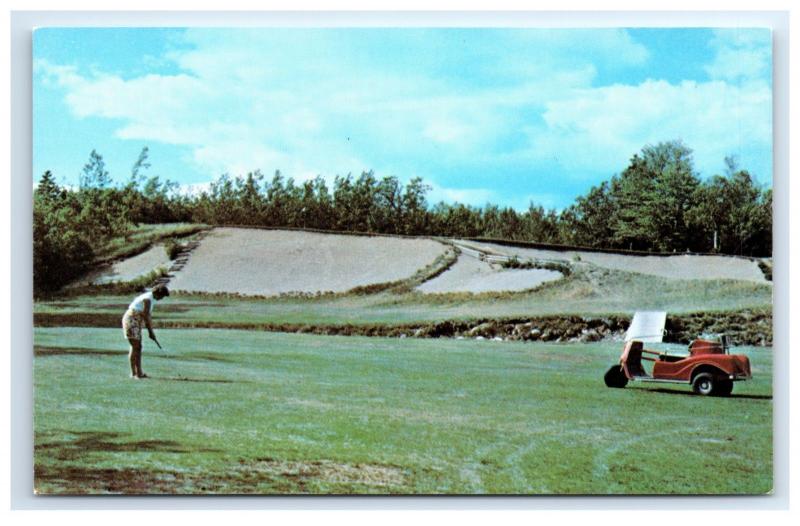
[[159, 345]]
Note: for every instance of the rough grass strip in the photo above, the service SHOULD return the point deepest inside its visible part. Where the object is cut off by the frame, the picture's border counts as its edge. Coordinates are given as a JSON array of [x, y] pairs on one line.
[[748, 327]]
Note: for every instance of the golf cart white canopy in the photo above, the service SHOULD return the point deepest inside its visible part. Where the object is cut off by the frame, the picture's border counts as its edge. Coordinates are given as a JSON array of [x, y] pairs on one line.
[[647, 327]]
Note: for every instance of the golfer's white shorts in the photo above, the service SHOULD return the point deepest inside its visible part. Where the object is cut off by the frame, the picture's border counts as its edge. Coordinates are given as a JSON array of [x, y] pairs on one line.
[[132, 325]]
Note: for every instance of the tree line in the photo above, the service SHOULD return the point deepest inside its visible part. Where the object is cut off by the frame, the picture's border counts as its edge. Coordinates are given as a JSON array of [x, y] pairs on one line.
[[657, 203]]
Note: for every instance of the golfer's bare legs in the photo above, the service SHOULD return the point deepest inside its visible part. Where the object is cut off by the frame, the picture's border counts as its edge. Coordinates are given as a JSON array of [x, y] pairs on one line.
[[135, 358], [139, 363]]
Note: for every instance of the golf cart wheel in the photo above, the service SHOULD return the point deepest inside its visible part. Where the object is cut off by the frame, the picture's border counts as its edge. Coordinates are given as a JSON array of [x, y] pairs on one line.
[[615, 377], [724, 388], [704, 384]]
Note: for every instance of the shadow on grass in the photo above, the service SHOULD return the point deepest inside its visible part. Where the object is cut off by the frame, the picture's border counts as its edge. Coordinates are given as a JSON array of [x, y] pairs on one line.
[[690, 393], [86, 442], [76, 319], [199, 380], [190, 357], [39, 350], [56, 472]]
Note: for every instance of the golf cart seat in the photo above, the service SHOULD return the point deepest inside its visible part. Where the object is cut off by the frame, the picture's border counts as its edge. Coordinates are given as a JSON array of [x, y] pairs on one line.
[[670, 358], [706, 346]]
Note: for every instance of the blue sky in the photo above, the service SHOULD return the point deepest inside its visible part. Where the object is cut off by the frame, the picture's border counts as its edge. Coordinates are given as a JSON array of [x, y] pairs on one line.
[[502, 115]]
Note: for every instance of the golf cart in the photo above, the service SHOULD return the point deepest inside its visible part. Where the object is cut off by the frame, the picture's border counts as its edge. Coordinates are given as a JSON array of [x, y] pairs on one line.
[[708, 367]]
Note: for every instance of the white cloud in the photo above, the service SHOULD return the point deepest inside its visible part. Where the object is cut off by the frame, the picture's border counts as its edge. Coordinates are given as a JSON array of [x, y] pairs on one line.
[[467, 196], [313, 103], [479, 197], [445, 131], [741, 55], [604, 127], [228, 128]]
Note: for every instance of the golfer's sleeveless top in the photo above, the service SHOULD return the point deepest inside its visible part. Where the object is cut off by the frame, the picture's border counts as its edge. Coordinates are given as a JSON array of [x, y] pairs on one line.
[[137, 305]]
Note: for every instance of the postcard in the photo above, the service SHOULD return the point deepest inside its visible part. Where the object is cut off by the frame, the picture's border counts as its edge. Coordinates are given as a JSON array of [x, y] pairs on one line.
[[402, 261]]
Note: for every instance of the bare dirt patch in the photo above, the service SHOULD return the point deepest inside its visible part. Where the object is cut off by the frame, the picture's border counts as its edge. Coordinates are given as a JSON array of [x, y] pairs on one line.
[[260, 476], [679, 266], [470, 274], [274, 262], [330, 472]]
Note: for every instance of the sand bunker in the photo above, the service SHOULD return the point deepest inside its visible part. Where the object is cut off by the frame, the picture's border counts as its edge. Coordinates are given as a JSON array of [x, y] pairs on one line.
[[272, 262], [470, 274], [133, 267], [681, 266]]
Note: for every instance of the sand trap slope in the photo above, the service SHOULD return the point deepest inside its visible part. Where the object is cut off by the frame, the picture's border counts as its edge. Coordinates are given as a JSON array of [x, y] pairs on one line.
[[133, 267], [469, 274], [681, 266], [271, 262]]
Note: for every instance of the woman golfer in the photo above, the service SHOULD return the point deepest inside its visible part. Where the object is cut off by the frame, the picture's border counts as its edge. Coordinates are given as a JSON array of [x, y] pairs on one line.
[[138, 314]]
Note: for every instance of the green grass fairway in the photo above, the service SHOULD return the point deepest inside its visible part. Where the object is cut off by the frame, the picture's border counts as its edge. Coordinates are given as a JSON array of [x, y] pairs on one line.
[[253, 412]]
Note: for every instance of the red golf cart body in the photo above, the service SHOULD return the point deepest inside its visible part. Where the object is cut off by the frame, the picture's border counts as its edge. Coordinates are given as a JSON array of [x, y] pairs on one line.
[[708, 367], [704, 356]]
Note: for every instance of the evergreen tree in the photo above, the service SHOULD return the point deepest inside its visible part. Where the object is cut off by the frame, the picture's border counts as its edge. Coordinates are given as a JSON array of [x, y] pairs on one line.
[[94, 173]]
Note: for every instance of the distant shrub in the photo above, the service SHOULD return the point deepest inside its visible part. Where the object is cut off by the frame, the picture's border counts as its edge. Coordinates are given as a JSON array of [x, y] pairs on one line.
[[766, 268], [515, 263], [173, 248], [61, 252]]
